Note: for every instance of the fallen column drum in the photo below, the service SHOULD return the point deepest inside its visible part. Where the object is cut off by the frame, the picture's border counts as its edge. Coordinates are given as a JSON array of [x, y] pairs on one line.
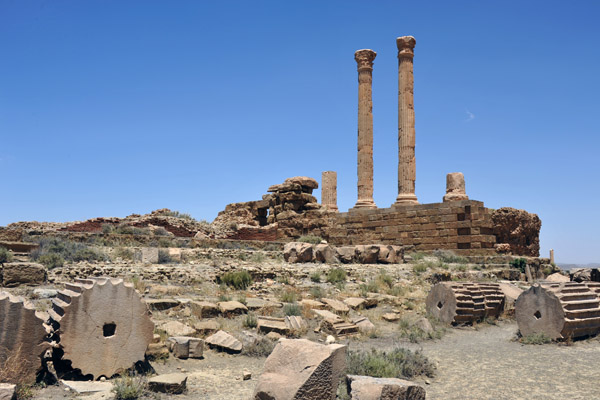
[[464, 302], [560, 310]]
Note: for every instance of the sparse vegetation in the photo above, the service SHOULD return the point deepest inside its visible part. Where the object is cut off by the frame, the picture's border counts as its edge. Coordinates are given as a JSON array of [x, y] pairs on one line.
[[250, 321], [420, 268], [519, 263], [536, 338], [369, 287], [447, 256], [288, 296], [5, 255], [127, 387], [310, 239], [292, 309], [315, 277], [53, 252], [316, 292], [259, 348], [164, 257], [336, 275], [397, 363], [51, 260], [385, 279], [416, 334], [258, 257], [418, 255], [123, 253], [123, 229], [239, 280]]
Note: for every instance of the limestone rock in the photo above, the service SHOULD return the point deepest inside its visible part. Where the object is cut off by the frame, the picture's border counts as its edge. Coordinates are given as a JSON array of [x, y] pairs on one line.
[[355, 302], [557, 277], [325, 253], [297, 252], [186, 347], [271, 324], [22, 333], [254, 303], [336, 306], [22, 273], [455, 187], [104, 325], [346, 254], [304, 181], [391, 316], [519, 229], [327, 315], [231, 308], [168, 383], [388, 255], [301, 369], [224, 341], [206, 326], [146, 255], [88, 386], [511, 293], [162, 304], [204, 309], [176, 328], [7, 391], [370, 388], [367, 254], [364, 324], [312, 304]]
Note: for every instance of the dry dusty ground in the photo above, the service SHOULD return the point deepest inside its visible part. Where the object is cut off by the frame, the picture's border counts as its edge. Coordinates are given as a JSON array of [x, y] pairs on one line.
[[483, 363]]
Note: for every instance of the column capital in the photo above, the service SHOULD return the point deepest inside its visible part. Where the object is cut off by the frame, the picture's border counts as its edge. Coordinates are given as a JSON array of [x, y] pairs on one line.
[[406, 46], [364, 58]]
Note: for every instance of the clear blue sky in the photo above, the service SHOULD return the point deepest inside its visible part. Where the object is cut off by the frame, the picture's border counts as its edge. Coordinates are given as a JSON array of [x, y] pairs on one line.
[[109, 108]]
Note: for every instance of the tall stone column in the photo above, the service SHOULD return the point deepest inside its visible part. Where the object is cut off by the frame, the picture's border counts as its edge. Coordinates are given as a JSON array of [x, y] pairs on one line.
[[329, 190], [406, 122], [364, 59]]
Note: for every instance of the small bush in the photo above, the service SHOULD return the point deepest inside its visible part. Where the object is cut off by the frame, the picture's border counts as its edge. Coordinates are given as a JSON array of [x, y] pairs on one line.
[[289, 296], [310, 239], [416, 256], [420, 268], [398, 363], [51, 260], [447, 256], [178, 214], [250, 321], [315, 277], [123, 229], [224, 297], [5, 255], [283, 279], [258, 257], [369, 287], [128, 387], [385, 279], [336, 275], [164, 257], [316, 292], [107, 228], [123, 253], [519, 263], [239, 280], [161, 231], [260, 348], [536, 338], [292, 309]]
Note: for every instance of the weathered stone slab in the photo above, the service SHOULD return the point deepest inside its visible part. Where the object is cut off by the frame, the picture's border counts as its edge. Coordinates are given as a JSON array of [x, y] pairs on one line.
[[370, 388], [224, 341], [272, 324], [186, 347], [346, 254], [88, 386], [162, 304], [325, 253], [364, 324], [295, 323], [206, 326], [204, 309], [355, 302], [231, 308], [340, 328], [336, 306], [327, 315], [312, 304], [391, 316], [255, 303], [296, 252], [557, 277], [176, 328], [146, 255], [168, 383], [22, 273], [367, 254], [7, 391], [301, 369]]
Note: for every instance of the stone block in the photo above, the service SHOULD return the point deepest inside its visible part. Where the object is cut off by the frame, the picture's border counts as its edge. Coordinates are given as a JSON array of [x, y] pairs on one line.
[[370, 388], [186, 347], [7, 391], [168, 383], [23, 273], [146, 255], [225, 342]]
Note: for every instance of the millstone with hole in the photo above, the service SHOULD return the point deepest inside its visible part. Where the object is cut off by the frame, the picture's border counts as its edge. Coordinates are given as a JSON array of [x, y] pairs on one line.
[[464, 302], [22, 339], [103, 324], [559, 310]]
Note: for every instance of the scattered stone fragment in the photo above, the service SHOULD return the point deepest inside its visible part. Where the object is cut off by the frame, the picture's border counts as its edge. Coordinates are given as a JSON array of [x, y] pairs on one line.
[[157, 351], [295, 323], [271, 324], [312, 304], [327, 315], [557, 277], [511, 293], [23, 273], [355, 302], [296, 252], [346, 254], [329, 339], [162, 304], [246, 375], [391, 316], [254, 303], [88, 386], [206, 326], [325, 253], [168, 383], [146, 255], [340, 328], [336, 306], [231, 308], [367, 254], [45, 293], [7, 391], [301, 369], [186, 347], [424, 325], [176, 328], [224, 341], [370, 388], [364, 324], [274, 336], [204, 309]]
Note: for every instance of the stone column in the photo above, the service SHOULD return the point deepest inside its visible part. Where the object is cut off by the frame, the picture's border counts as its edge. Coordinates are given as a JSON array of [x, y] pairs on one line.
[[329, 190], [406, 122], [551, 256], [455, 187], [364, 59]]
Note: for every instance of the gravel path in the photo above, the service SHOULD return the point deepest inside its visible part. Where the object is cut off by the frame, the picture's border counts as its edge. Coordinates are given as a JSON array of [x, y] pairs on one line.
[[486, 364]]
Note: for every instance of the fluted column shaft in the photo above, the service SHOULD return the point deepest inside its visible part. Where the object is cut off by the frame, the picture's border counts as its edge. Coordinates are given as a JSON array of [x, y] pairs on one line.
[[329, 190], [406, 122], [364, 60]]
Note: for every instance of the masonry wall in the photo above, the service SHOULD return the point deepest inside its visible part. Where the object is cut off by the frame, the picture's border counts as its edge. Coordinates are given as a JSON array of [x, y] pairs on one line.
[[464, 226]]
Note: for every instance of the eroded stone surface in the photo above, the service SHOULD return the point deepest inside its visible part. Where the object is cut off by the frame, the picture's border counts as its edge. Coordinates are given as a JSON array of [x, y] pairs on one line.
[[22, 273], [224, 341], [168, 383], [455, 187], [370, 388]]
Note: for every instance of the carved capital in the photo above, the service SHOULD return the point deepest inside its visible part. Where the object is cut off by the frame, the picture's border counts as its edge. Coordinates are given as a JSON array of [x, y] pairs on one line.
[[364, 58], [406, 46]]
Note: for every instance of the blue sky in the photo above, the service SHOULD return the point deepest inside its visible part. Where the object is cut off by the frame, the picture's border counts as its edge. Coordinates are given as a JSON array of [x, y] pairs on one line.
[[109, 108]]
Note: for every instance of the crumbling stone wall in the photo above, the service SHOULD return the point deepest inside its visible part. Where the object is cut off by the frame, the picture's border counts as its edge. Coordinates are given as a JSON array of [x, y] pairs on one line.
[[519, 229]]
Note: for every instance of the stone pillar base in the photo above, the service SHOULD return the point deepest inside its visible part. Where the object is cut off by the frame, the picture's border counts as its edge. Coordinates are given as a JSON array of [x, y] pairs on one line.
[[405, 199], [455, 197], [364, 204]]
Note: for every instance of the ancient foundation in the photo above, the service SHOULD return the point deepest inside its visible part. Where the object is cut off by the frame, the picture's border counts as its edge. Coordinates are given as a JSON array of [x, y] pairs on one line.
[[406, 122], [329, 190], [455, 187], [364, 60]]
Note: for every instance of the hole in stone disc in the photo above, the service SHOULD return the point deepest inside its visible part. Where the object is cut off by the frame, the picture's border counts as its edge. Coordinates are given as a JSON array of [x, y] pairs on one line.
[[109, 329], [537, 315], [440, 305]]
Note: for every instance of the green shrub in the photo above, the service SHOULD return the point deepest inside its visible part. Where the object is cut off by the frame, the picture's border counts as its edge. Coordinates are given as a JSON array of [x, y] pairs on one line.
[[519, 263], [416, 256], [259, 348], [161, 231], [315, 277], [239, 280], [536, 338], [370, 287], [258, 257], [51, 260], [224, 297], [178, 214], [5, 255], [415, 334], [447, 256], [420, 268], [123, 253], [128, 387], [316, 292], [310, 239], [283, 279], [336, 275], [385, 279], [250, 321], [397, 363], [123, 229], [107, 228], [292, 309], [289, 296], [164, 257], [66, 250]]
